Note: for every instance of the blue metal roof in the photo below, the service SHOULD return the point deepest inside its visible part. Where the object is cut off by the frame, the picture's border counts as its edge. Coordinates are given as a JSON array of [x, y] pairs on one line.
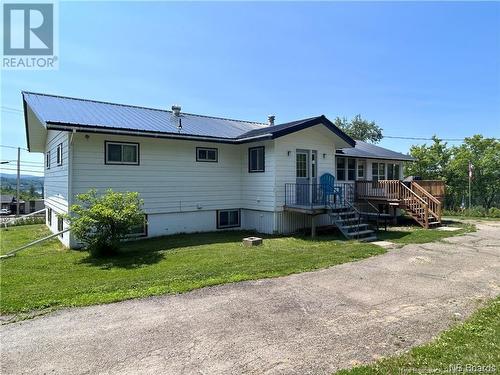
[[52, 109], [370, 151], [65, 112]]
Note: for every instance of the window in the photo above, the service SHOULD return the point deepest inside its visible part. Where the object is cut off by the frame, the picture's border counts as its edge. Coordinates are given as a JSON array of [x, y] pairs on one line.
[[314, 166], [341, 169], [121, 153], [351, 169], [140, 230], [60, 225], [256, 159], [361, 170], [228, 219], [378, 171], [207, 154], [301, 165], [346, 171], [393, 171], [59, 154], [49, 216], [47, 159]]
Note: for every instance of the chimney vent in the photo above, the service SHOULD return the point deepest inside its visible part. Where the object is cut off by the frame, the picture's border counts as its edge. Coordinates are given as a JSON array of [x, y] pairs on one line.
[[176, 109], [270, 120]]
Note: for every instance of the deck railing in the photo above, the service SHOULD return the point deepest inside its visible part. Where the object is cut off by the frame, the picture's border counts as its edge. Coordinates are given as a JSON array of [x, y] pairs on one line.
[[313, 196], [381, 189], [433, 203]]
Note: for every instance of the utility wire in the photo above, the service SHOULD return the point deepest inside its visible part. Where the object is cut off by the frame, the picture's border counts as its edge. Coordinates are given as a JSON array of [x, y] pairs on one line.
[[22, 170], [22, 148]]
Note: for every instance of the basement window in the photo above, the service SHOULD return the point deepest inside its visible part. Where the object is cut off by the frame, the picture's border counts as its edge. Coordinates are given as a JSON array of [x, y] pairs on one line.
[[60, 225], [207, 154], [121, 153], [139, 230], [228, 219]]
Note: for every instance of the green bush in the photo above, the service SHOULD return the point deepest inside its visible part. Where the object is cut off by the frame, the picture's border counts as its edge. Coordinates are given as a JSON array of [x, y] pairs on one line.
[[476, 211], [27, 221], [101, 222]]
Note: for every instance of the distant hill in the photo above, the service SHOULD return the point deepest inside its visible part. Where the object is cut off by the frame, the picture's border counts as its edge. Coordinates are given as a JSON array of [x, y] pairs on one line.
[[8, 181]]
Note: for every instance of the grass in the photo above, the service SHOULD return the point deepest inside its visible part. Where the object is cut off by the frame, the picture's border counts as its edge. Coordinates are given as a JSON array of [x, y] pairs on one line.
[[475, 342], [47, 276], [413, 234]]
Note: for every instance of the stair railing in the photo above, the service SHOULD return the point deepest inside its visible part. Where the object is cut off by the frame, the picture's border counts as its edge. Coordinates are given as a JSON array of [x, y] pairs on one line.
[[435, 206], [345, 201], [414, 202]]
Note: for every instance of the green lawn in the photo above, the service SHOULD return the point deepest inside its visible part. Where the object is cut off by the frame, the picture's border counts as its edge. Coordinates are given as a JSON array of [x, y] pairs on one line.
[[475, 342], [49, 276], [414, 234]]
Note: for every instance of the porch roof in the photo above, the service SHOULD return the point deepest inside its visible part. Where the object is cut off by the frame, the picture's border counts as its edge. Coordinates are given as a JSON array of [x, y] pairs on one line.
[[370, 151]]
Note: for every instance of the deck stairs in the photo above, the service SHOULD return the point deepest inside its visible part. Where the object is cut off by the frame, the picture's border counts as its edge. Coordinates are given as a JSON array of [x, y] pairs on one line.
[[352, 225]]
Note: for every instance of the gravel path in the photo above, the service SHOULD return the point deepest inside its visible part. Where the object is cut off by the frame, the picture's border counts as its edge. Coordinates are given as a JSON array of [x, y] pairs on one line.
[[309, 323]]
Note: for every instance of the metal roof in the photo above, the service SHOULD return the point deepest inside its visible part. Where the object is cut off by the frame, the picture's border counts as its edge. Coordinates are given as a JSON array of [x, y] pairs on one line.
[[62, 112], [370, 151], [52, 109]]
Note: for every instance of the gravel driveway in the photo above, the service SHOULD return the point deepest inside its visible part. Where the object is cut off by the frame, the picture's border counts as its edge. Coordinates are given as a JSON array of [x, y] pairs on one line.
[[310, 323]]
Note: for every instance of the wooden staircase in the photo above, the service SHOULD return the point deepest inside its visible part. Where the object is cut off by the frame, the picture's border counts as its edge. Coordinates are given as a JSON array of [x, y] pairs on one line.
[[424, 208]]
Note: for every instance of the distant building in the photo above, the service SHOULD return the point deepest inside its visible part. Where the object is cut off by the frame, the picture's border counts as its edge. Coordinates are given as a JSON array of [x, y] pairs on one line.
[[9, 202]]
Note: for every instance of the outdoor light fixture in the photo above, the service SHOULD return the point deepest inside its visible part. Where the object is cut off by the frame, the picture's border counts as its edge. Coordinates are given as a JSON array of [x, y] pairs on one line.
[[324, 156], [288, 153]]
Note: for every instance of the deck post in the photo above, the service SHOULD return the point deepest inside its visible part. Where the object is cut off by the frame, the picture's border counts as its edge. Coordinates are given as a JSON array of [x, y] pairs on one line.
[[313, 226]]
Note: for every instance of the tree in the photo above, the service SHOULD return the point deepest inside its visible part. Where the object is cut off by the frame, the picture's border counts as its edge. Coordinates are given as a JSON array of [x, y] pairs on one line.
[[431, 161], [359, 129], [484, 155], [101, 222]]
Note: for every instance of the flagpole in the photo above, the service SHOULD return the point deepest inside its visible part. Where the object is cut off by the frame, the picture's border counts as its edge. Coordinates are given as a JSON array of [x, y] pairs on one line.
[[470, 175]]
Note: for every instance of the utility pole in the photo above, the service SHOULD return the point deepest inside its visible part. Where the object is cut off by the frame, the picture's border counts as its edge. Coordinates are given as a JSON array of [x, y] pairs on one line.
[[18, 178]]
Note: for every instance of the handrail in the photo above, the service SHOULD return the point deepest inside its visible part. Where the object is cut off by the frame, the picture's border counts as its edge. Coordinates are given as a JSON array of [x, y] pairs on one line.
[[435, 207], [413, 193], [425, 192]]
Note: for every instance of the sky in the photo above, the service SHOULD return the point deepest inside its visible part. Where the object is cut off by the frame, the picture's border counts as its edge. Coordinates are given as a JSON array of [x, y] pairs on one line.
[[416, 69]]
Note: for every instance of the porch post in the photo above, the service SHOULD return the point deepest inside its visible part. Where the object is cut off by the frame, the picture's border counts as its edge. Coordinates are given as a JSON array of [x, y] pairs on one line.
[[313, 226]]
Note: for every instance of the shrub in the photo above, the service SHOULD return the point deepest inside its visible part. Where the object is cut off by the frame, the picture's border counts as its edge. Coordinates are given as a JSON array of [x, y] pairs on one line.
[[101, 222], [476, 211], [26, 221]]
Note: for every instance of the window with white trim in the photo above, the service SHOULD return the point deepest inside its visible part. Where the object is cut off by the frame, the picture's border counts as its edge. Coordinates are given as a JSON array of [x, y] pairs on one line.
[[49, 216], [361, 170], [351, 169], [47, 159], [378, 171], [228, 219], [59, 154], [301, 165], [60, 225], [256, 159], [340, 169], [121, 153], [207, 154], [392, 171]]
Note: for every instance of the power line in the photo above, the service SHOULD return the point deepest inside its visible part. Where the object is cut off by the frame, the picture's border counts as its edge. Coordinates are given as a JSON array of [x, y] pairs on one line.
[[22, 170], [424, 139], [14, 147], [11, 109]]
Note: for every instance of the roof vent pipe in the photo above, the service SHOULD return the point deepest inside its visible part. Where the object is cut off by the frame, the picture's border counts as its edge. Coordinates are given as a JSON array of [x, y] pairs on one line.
[[270, 120], [176, 109]]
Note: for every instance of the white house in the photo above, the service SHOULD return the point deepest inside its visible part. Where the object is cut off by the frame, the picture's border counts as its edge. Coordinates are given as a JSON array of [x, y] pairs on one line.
[[195, 173]]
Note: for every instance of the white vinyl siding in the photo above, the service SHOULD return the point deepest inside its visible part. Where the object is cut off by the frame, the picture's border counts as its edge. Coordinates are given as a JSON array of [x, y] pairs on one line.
[[168, 177], [56, 177]]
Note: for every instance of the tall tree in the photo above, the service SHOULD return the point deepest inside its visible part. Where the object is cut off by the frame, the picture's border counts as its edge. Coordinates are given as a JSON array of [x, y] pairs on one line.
[[484, 155], [431, 161], [360, 129]]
